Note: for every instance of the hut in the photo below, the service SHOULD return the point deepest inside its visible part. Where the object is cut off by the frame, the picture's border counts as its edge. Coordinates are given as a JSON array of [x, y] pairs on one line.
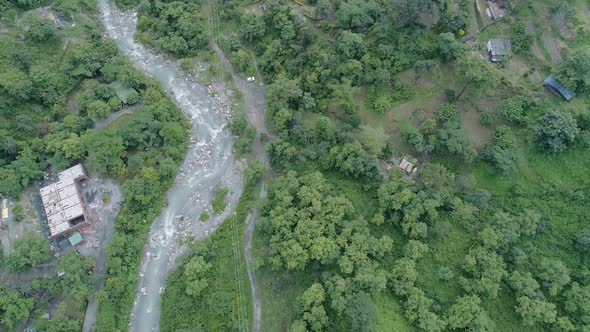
[[553, 85]]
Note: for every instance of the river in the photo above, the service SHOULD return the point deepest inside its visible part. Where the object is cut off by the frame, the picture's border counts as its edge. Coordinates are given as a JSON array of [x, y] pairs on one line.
[[208, 165]]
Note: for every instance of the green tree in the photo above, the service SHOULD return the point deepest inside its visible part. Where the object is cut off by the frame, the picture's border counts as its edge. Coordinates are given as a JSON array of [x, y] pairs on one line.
[[453, 21], [350, 45], [195, 272], [27, 252], [582, 241], [253, 27], [357, 14], [406, 12], [521, 40], [449, 48], [476, 73], [486, 270], [360, 311], [77, 280], [577, 302], [524, 283], [98, 109], [323, 8], [314, 313], [41, 30], [574, 72], [513, 109], [555, 131], [463, 312], [105, 152], [60, 324], [10, 183], [403, 276], [13, 307], [535, 311], [554, 275]]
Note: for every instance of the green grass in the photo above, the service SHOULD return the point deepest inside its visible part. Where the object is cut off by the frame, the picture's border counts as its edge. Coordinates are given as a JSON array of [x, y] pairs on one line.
[[389, 315], [556, 186]]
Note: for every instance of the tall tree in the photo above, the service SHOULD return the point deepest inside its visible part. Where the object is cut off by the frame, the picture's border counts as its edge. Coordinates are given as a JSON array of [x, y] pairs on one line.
[[555, 131], [476, 73]]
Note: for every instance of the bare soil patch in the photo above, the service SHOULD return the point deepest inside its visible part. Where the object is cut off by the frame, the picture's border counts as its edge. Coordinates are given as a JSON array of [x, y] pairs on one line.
[[255, 9], [477, 134], [553, 45]]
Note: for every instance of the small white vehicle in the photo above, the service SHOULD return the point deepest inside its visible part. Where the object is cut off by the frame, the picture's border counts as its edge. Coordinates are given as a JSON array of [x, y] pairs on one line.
[[251, 79]]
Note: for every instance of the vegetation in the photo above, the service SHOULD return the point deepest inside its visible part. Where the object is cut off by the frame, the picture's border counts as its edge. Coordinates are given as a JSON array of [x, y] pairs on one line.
[[490, 234], [206, 292], [49, 98], [27, 252], [219, 202]]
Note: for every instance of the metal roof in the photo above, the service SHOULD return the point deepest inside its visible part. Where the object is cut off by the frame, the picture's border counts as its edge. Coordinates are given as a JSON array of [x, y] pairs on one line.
[[565, 93], [499, 46]]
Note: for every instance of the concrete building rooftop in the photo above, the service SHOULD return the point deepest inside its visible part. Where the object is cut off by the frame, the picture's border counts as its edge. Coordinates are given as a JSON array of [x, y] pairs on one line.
[[62, 202]]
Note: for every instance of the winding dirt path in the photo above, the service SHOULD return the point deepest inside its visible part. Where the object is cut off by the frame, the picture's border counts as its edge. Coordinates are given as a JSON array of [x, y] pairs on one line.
[[254, 107]]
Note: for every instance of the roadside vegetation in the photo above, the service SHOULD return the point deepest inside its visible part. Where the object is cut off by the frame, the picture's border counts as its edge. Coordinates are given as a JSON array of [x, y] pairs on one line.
[[56, 81], [490, 234], [210, 289]]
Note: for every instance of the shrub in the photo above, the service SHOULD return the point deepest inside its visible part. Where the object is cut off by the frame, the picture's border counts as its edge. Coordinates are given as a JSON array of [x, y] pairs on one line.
[[204, 217], [555, 131], [487, 119], [219, 202]]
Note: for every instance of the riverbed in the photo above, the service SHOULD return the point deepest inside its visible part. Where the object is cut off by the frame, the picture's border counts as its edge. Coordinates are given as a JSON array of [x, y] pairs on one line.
[[208, 166]]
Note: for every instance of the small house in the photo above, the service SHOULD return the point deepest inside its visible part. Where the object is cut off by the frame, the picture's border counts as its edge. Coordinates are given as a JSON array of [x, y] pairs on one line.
[[553, 85], [496, 9], [125, 93], [409, 164], [498, 49]]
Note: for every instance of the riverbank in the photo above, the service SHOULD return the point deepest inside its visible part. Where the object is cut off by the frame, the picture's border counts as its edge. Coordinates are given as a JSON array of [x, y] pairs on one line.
[[207, 166]]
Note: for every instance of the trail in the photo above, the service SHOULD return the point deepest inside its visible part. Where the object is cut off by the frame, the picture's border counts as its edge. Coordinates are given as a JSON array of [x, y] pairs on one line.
[[208, 165], [255, 107]]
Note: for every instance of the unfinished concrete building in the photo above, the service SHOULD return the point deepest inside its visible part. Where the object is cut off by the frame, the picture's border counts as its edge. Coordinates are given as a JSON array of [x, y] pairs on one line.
[[63, 202]]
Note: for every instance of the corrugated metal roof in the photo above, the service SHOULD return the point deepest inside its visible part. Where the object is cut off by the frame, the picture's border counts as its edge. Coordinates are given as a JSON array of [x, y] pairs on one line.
[[75, 239], [565, 93], [499, 46]]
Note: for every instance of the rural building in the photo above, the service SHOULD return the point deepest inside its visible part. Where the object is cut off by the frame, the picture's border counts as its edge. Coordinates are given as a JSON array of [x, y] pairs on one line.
[[409, 164], [125, 93], [557, 89], [496, 9], [498, 49], [63, 202]]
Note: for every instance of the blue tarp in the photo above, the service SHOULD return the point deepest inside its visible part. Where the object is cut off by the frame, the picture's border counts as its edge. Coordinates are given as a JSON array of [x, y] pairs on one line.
[[565, 93]]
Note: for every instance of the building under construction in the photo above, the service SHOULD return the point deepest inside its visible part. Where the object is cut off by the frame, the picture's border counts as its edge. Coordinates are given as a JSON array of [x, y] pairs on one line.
[[63, 202]]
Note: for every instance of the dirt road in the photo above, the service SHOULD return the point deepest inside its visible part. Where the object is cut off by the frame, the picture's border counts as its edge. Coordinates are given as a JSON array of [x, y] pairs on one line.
[[255, 108]]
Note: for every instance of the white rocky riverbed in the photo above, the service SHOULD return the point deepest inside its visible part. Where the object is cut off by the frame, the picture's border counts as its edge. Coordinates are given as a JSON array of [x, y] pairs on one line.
[[208, 166]]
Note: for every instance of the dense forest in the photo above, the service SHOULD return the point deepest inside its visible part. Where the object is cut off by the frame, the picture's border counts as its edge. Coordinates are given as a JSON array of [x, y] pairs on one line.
[[490, 234]]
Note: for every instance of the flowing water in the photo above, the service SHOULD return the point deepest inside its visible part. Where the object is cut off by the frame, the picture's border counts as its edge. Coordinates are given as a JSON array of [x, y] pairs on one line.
[[208, 166]]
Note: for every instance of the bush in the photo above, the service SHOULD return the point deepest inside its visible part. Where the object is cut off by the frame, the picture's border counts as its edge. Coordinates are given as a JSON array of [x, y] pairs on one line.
[[514, 109], [27, 252], [555, 131], [487, 119], [219, 202], [204, 217], [521, 40]]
